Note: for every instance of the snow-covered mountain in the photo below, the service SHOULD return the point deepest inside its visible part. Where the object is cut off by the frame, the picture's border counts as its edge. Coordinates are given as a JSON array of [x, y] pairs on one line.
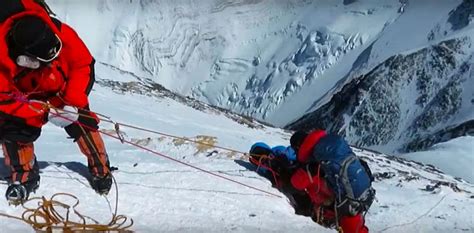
[[408, 102], [164, 196], [253, 57], [411, 100], [392, 75], [280, 60]]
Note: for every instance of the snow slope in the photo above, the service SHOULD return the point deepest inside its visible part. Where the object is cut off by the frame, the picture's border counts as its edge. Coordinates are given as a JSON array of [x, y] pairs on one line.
[[161, 195], [460, 150]]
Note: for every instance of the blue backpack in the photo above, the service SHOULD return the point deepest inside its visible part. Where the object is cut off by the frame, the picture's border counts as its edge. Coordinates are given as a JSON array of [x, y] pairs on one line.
[[347, 175], [257, 149]]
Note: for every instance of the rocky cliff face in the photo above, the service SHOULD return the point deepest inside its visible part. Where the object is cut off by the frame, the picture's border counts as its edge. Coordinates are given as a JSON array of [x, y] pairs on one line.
[[408, 102]]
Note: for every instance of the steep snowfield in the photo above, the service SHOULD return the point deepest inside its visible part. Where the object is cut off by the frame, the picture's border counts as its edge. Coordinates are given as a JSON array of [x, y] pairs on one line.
[[161, 195]]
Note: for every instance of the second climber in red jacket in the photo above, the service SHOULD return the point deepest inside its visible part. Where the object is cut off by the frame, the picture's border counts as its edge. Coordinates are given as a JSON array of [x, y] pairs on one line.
[[43, 60], [311, 177]]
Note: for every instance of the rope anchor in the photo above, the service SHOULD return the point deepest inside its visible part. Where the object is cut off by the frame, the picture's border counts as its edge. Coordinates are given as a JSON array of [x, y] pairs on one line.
[[119, 134]]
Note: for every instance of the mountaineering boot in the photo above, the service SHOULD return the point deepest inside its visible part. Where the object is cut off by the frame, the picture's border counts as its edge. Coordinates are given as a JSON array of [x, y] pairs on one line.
[[92, 146], [18, 193], [21, 160], [102, 184]]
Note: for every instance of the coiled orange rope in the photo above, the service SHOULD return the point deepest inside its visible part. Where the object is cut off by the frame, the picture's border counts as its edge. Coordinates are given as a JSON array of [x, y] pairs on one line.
[[49, 215]]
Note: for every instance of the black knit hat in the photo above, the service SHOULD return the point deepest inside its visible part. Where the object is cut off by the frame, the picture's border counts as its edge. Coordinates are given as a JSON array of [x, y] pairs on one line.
[[32, 36], [297, 139]]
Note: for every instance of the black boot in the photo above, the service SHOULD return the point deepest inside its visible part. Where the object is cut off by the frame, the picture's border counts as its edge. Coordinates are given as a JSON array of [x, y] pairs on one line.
[[18, 193], [102, 184]]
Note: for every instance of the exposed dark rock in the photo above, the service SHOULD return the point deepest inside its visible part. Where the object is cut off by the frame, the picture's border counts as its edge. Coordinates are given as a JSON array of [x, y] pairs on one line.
[[461, 16], [384, 175], [347, 2], [466, 128], [406, 99]]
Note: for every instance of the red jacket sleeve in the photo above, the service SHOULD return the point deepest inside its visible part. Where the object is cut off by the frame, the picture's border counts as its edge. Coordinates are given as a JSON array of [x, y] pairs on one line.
[[80, 63], [300, 179], [316, 187], [30, 113]]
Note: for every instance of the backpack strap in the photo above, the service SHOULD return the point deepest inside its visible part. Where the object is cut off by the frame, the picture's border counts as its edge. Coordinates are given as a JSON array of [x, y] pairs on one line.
[[310, 176], [344, 176], [367, 169]]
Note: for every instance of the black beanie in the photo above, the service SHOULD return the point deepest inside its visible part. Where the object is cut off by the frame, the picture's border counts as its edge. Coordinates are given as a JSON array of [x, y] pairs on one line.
[[32, 36], [297, 138]]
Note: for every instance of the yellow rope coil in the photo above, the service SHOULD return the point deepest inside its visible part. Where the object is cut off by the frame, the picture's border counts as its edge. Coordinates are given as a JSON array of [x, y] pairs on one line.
[[47, 216]]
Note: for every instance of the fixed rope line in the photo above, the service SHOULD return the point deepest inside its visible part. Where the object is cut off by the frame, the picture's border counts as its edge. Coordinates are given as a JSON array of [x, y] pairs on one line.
[[418, 218], [109, 120], [117, 129], [118, 137], [189, 165], [167, 157], [52, 219]]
